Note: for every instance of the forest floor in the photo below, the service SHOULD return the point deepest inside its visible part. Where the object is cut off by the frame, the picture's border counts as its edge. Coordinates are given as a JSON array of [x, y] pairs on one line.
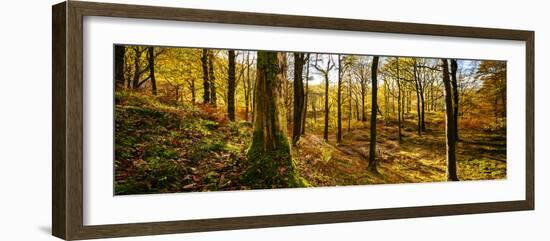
[[163, 148], [416, 158]]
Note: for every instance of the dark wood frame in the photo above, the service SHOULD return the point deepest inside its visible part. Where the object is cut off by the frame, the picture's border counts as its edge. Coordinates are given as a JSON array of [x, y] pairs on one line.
[[67, 123]]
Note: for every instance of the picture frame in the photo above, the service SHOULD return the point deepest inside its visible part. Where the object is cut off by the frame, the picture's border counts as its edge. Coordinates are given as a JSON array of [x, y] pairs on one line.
[[68, 102]]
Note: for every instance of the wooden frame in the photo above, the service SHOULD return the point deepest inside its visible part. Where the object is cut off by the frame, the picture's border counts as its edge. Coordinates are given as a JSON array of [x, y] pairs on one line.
[[67, 124]]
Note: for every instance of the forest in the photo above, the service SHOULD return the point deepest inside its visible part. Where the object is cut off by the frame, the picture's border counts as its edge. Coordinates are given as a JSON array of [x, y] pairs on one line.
[[198, 119]]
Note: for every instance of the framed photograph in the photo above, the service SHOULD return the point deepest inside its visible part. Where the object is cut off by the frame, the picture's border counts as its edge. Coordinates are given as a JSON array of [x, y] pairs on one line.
[[171, 120]]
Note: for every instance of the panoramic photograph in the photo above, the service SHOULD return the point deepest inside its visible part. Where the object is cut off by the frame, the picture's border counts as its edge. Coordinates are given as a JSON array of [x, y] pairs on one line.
[[204, 119]]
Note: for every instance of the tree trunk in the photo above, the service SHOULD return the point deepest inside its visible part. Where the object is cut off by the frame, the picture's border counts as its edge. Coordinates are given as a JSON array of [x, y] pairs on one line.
[[427, 101], [177, 90], [231, 86], [449, 125], [304, 113], [417, 85], [434, 99], [363, 95], [325, 132], [454, 83], [193, 94], [212, 79], [120, 51], [339, 102], [409, 101], [349, 110], [299, 62], [393, 102], [137, 68], [399, 106], [314, 109], [151, 57], [374, 104], [387, 99], [253, 102], [357, 115], [205, 78], [270, 163], [247, 87], [423, 105]]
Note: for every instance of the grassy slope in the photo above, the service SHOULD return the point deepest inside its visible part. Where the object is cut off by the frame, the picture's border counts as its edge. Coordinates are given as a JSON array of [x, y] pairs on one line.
[[161, 148]]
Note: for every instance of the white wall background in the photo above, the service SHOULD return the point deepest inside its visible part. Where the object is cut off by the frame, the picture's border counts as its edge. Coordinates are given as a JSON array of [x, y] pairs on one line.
[[25, 120]]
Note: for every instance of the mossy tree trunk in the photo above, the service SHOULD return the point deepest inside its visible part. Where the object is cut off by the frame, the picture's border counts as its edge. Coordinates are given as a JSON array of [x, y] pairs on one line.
[[231, 86], [374, 104], [449, 124], [270, 163]]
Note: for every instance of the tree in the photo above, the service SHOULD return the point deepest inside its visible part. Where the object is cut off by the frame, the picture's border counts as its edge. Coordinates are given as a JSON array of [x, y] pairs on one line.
[[247, 84], [143, 64], [178, 68], [419, 97], [362, 72], [304, 113], [138, 70], [231, 86], [493, 75], [350, 96], [151, 60], [387, 99], [120, 51], [212, 79], [399, 100], [205, 78], [325, 73], [454, 84], [422, 102], [339, 101], [449, 124], [394, 70], [269, 160], [313, 106], [372, 147], [299, 61], [288, 90]]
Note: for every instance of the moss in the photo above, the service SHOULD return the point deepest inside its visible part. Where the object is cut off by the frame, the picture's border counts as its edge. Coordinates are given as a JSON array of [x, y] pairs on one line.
[[271, 168]]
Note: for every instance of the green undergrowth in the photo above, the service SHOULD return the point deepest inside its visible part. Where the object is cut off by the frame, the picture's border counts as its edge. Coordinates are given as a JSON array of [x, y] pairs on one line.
[[163, 148]]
